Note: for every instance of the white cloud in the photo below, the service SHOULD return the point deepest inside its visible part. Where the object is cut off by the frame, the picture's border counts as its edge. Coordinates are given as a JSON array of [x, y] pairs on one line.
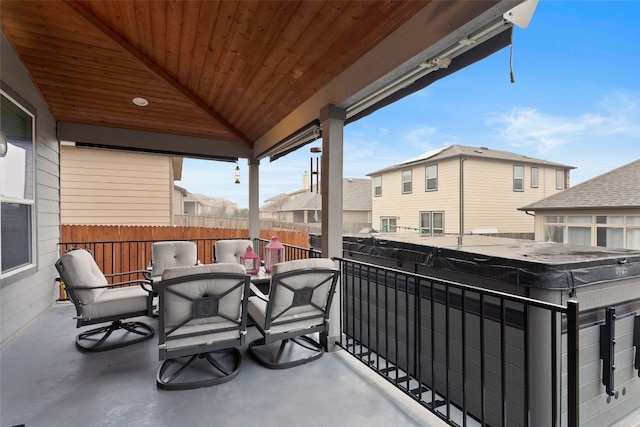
[[524, 126]]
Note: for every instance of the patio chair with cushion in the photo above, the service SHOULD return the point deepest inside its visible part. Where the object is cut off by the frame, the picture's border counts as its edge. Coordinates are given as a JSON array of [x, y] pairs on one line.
[[97, 301], [230, 250], [171, 254], [296, 307], [203, 319]]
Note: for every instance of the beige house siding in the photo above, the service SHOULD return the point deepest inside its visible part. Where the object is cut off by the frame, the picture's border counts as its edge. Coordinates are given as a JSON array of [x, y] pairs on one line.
[[490, 202], [178, 202], [407, 207], [113, 187]]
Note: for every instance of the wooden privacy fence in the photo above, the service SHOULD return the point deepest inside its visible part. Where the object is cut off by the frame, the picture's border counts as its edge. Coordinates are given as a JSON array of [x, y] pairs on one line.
[[127, 248]]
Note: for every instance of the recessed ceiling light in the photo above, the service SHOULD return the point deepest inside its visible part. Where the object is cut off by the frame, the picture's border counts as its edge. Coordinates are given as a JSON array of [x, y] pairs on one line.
[[140, 102]]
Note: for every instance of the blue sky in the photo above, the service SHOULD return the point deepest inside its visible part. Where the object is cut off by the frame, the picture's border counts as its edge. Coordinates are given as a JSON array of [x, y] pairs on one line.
[[575, 100]]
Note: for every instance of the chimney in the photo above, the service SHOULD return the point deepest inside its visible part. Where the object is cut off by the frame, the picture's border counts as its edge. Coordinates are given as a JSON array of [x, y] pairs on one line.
[[305, 181]]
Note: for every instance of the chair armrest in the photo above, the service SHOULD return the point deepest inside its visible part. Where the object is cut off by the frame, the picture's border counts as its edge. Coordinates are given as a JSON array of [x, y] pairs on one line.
[[258, 293], [143, 283], [124, 273]]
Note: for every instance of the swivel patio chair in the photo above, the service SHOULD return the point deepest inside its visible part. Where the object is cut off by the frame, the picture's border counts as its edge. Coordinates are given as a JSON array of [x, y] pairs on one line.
[[203, 319], [171, 254], [96, 301], [296, 307], [230, 250]]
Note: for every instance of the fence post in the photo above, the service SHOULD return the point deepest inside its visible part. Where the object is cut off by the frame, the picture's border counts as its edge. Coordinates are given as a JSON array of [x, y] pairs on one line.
[[573, 363]]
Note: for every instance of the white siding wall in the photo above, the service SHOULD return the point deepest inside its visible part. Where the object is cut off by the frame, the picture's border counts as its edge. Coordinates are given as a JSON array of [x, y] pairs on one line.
[[24, 296], [489, 199], [114, 187]]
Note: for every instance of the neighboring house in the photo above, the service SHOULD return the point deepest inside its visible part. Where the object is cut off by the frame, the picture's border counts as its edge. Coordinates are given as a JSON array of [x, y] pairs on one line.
[[304, 207], [111, 187], [463, 190], [201, 205], [179, 194], [604, 211], [272, 208]]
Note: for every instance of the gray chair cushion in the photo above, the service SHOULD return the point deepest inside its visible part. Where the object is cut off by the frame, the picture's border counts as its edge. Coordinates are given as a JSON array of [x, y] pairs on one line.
[[282, 298], [117, 301], [178, 309], [80, 265], [228, 251], [170, 254]]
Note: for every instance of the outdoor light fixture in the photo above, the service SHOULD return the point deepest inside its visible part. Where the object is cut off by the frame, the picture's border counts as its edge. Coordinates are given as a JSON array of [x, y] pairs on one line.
[[4, 145], [237, 173], [140, 102]]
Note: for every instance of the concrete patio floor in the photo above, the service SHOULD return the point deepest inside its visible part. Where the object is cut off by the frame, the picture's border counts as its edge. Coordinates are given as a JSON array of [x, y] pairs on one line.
[[45, 381]]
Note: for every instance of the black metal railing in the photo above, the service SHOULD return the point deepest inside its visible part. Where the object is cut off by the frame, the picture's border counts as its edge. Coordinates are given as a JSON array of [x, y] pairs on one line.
[[472, 356]]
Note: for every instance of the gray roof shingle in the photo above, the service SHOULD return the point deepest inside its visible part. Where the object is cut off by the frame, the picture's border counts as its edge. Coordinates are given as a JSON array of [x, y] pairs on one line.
[[356, 196], [619, 188], [467, 151]]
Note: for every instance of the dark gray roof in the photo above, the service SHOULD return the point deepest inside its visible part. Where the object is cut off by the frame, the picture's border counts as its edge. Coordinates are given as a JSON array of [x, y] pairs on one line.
[[466, 151], [619, 188], [356, 196]]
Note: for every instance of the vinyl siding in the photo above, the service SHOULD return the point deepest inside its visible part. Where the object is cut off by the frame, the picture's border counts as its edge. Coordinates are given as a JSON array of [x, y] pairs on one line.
[[489, 199], [26, 295], [113, 187], [406, 207]]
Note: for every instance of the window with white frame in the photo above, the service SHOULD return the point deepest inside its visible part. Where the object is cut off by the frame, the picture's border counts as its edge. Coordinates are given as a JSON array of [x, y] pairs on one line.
[[17, 187], [559, 180], [615, 231], [534, 177], [554, 228], [610, 231], [518, 178], [406, 181], [388, 224], [632, 233], [431, 178], [579, 230], [432, 222], [377, 185]]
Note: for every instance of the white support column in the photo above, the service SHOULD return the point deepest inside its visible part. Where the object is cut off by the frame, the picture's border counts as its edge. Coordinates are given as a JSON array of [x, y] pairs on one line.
[[254, 198], [332, 119]]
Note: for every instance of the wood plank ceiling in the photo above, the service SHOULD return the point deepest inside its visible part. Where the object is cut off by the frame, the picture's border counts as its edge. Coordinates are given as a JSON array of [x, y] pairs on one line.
[[225, 71]]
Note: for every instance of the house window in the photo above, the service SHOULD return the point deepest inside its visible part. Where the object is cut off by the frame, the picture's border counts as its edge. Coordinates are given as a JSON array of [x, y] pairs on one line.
[[406, 181], [377, 185], [554, 228], [559, 180], [633, 232], [610, 231], [534, 177], [518, 178], [431, 178], [17, 187], [388, 224], [431, 222], [614, 231]]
